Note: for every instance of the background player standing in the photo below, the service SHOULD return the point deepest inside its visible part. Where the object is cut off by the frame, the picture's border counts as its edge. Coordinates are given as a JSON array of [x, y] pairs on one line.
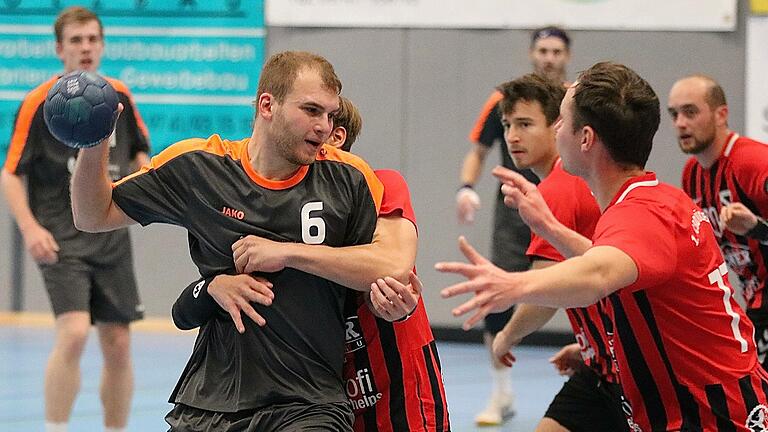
[[549, 54], [727, 176], [89, 277]]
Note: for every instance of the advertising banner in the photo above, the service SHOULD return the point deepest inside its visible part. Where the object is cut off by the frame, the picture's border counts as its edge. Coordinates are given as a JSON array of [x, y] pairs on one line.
[[192, 67], [684, 15]]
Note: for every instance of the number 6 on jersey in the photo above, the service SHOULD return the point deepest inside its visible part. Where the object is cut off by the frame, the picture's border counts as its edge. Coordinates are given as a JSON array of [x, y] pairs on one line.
[[309, 222]]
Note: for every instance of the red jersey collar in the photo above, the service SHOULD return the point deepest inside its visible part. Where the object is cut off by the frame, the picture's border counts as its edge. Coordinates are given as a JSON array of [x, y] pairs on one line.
[[645, 180]]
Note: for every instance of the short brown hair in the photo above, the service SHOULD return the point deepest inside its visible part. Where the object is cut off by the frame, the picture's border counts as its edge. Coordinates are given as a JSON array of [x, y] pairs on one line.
[[715, 96], [349, 118], [533, 88], [74, 14], [621, 107], [280, 71]]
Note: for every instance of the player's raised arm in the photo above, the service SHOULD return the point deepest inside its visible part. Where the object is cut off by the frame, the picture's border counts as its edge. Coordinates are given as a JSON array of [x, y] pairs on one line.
[[93, 209]]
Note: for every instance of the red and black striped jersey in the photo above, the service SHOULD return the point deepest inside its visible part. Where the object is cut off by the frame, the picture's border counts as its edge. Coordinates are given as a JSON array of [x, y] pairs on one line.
[[392, 370], [738, 175], [682, 344], [47, 165], [573, 204], [209, 187]]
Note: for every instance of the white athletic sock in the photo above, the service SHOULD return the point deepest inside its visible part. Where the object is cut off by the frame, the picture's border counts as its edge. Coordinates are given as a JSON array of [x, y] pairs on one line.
[[111, 429], [55, 427], [502, 381]]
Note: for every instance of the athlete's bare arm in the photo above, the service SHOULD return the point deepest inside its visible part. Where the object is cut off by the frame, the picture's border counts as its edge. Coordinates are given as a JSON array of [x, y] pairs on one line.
[[576, 282], [198, 302], [37, 240], [393, 248], [92, 206], [467, 200], [391, 253]]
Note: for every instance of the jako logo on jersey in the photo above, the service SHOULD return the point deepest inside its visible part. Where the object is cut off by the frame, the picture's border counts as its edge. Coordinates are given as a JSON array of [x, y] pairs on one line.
[[198, 288], [360, 390], [353, 336], [237, 214], [758, 419], [696, 220]]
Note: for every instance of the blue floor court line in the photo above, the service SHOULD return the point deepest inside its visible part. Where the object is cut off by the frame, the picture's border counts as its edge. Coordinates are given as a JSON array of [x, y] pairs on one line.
[[159, 357]]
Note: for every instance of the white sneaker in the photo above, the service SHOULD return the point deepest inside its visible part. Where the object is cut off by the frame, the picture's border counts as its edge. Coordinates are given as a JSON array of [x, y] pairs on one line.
[[500, 407]]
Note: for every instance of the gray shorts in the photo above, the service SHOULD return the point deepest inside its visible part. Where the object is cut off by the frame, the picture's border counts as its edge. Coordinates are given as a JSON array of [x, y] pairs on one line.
[[295, 417], [511, 237], [109, 293]]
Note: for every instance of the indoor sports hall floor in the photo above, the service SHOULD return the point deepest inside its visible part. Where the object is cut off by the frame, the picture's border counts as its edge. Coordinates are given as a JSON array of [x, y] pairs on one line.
[[160, 354]]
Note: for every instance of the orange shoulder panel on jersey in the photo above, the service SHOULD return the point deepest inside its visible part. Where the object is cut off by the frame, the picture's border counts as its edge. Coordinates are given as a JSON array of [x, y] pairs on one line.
[[29, 107], [490, 105], [213, 144], [120, 87], [374, 184]]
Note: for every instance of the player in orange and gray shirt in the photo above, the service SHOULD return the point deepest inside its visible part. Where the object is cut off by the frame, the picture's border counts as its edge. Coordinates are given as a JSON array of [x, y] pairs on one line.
[[89, 277]]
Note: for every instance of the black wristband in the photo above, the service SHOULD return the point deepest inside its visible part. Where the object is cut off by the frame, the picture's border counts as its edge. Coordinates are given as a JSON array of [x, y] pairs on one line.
[[466, 186], [408, 315], [760, 231]]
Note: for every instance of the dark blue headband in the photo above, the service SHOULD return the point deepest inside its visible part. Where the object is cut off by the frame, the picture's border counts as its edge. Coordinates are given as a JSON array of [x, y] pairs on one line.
[[551, 32]]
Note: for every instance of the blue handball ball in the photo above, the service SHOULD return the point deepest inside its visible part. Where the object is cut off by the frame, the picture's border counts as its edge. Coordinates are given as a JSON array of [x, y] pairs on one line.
[[81, 109]]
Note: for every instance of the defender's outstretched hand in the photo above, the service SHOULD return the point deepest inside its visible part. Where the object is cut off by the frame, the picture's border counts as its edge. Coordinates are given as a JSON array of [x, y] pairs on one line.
[[493, 287], [523, 195]]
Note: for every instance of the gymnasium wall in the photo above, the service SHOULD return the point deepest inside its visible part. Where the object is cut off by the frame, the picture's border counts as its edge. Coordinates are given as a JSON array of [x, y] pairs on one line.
[[419, 92]]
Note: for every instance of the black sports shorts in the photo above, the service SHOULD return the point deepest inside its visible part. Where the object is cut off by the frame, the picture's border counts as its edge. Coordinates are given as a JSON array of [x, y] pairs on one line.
[[332, 417], [586, 403], [759, 319]]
